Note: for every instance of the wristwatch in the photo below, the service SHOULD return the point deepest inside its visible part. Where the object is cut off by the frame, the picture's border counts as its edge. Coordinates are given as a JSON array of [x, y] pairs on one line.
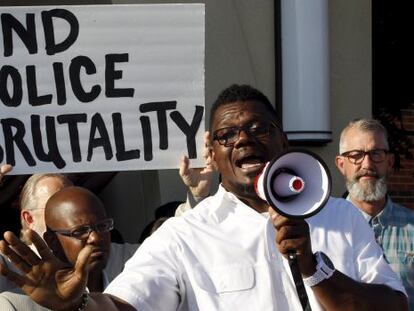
[[324, 270]]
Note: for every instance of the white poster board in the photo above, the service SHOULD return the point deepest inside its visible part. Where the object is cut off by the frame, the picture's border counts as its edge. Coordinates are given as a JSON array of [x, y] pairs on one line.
[[101, 88]]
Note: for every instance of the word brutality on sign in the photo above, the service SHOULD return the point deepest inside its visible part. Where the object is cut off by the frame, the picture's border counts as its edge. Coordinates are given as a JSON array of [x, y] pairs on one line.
[[97, 88]]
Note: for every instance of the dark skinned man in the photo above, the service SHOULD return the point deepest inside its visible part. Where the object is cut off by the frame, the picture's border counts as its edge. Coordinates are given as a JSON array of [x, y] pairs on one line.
[[225, 254], [75, 217]]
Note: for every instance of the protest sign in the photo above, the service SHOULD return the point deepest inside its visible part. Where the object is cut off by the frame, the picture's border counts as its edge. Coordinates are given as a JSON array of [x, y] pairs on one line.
[[101, 87]]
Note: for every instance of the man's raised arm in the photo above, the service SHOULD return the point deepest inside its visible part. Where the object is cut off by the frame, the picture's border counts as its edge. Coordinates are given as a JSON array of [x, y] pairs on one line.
[[50, 282]]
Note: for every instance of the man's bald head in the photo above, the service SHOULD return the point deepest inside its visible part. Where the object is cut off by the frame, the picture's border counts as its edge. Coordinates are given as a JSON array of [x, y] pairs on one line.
[[71, 203]]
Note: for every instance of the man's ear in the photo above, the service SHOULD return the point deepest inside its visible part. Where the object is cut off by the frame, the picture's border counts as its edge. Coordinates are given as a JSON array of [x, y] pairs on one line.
[[339, 162], [27, 217]]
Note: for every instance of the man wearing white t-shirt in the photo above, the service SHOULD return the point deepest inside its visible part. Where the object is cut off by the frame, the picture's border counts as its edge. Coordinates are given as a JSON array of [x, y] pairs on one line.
[[229, 252]]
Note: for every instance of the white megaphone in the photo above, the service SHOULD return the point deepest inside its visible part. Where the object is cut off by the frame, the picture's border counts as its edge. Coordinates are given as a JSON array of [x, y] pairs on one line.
[[296, 184]]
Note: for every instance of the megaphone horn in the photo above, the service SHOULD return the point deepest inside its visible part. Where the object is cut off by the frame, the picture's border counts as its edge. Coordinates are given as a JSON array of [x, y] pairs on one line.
[[296, 184], [286, 185]]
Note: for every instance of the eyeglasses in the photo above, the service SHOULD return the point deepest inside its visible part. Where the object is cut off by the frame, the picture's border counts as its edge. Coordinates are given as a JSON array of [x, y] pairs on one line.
[[83, 232], [228, 136], [357, 156]]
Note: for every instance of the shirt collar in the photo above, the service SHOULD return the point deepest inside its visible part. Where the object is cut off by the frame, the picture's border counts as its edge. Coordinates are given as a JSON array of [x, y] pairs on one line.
[[381, 216], [384, 215]]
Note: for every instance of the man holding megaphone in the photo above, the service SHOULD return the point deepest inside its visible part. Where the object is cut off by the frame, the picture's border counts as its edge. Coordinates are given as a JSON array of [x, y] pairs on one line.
[[229, 253]]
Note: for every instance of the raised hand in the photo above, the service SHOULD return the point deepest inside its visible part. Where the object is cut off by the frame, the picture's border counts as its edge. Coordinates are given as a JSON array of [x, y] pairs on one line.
[[47, 280], [198, 180], [4, 169]]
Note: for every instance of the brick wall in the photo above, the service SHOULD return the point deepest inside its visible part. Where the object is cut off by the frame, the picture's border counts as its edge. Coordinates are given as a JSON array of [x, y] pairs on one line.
[[401, 183]]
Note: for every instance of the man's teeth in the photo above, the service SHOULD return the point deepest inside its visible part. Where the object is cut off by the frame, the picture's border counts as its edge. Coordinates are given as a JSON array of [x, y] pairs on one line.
[[250, 165]]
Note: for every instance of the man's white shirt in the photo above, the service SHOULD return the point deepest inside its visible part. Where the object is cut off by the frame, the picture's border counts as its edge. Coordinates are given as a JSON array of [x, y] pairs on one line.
[[222, 256]]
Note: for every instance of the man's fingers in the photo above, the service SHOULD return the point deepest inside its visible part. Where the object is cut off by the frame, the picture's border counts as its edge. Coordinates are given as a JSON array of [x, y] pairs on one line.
[[81, 267], [21, 249], [184, 166], [12, 276], [41, 246], [296, 245], [21, 280], [290, 232], [14, 257], [5, 168], [207, 139], [279, 221], [190, 176]]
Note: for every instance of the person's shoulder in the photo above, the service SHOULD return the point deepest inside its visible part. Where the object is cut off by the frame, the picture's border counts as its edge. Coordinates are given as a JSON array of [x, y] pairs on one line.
[[339, 206], [200, 211], [403, 209], [336, 211], [119, 254], [402, 212], [12, 301], [181, 227], [175, 228], [6, 303], [125, 248]]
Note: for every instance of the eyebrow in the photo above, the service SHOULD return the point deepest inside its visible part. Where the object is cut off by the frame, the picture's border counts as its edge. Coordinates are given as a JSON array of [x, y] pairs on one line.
[[231, 122]]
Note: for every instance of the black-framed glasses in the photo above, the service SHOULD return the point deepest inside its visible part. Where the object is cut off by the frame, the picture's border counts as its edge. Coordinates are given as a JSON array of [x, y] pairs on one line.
[[357, 156], [83, 232], [228, 136]]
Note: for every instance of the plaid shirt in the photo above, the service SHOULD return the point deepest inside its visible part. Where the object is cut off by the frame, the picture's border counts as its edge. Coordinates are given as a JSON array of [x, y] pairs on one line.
[[394, 231]]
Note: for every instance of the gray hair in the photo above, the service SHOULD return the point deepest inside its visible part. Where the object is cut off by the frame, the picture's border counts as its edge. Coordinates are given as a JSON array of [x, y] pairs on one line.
[[364, 125], [28, 198]]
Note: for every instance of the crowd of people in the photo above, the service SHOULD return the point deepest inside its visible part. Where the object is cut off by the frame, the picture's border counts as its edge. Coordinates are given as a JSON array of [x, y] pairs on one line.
[[226, 250]]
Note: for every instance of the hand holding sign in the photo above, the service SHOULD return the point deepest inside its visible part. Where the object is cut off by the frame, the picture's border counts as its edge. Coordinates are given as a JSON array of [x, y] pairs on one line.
[[198, 180], [4, 169]]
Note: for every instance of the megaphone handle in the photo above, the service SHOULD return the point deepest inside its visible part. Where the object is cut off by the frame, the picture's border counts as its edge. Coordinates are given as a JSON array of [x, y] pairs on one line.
[[297, 278]]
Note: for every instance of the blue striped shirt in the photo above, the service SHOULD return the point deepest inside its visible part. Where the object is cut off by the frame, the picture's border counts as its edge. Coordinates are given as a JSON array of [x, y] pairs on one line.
[[394, 231]]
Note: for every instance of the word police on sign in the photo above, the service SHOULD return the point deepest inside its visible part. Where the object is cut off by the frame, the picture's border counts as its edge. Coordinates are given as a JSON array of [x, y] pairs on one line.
[[92, 88]]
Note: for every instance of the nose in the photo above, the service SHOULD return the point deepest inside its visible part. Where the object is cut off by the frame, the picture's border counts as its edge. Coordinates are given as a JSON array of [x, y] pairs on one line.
[[367, 162], [243, 138], [93, 237]]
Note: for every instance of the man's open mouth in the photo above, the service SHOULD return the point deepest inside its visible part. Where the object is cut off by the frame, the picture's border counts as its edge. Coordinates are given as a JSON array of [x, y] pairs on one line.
[[250, 163]]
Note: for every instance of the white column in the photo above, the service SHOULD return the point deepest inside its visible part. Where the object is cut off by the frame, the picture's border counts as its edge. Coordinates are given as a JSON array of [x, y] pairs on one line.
[[305, 70]]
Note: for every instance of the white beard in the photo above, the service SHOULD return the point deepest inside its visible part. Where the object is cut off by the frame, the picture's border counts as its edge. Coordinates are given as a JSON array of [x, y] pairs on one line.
[[370, 192]]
